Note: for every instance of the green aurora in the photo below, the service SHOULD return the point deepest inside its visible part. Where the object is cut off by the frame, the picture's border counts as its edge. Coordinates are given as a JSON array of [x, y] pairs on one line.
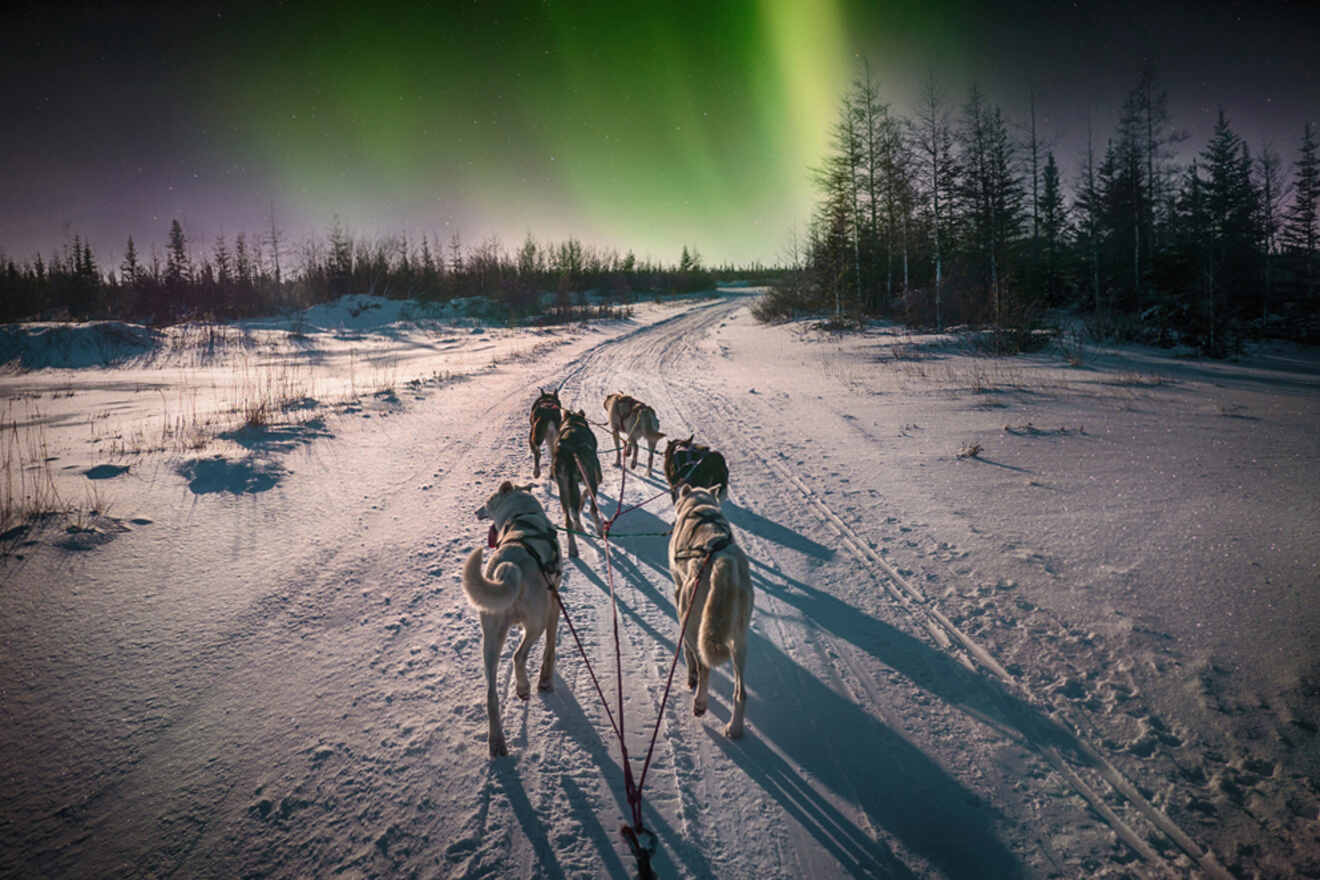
[[629, 125], [635, 127]]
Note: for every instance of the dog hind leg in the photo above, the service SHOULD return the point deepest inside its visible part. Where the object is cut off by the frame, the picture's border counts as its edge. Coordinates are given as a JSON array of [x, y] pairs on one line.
[[493, 631], [734, 728], [535, 442], [700, 698], [565, 503], [546, 681], [531, 632]]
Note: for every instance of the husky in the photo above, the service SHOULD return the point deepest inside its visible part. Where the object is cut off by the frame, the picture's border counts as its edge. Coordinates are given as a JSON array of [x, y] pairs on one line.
[[575, 443], [515, 587], [546, 417], [619, 408], [711, 576], [695, 465], [634, 420]]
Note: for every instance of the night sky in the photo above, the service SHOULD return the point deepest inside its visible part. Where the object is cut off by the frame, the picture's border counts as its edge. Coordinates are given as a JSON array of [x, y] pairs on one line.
[[642, 126]]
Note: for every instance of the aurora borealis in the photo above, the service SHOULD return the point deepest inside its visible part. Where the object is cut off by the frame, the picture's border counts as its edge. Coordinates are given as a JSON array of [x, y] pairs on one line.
[[643, 126]]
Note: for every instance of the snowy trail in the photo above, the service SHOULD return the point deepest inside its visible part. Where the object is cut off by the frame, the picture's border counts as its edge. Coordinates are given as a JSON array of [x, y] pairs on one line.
[[299, 691]]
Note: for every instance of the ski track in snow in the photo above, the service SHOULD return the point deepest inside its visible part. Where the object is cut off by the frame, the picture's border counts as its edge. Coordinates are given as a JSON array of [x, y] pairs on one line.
[[317, 709]]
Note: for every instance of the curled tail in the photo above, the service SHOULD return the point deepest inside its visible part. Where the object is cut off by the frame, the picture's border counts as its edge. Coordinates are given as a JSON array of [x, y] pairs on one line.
[[488, 594], [716, 617]]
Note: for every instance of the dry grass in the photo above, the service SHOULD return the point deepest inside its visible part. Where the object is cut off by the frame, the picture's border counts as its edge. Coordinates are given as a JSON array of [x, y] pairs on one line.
[[268, 395], [28, 490]]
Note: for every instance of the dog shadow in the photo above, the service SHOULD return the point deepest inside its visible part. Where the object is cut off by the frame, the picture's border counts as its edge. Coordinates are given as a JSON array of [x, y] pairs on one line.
[[796, 720], [895, 785], [674, 857], [643, 535], [933, 670], [756, 524], [505, 775]]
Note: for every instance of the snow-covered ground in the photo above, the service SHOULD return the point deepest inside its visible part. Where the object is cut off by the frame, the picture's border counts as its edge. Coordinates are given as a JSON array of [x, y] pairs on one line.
[[1087, 650]]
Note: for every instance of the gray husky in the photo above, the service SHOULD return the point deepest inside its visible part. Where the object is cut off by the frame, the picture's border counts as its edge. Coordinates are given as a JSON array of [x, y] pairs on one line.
[[516, 587], [711, 576]]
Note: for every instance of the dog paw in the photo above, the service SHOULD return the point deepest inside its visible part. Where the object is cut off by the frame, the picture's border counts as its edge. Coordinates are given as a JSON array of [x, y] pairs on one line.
[[698, 709], [733, 732], [545, 685], [524, 693], [692, 682], [498, 749]]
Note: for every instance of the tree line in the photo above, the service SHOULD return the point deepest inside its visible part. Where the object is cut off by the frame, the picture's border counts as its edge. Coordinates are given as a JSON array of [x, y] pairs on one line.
[[257, 275], [956, 215]]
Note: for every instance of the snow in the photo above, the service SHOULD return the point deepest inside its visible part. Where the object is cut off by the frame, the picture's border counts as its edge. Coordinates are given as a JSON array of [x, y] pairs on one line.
[[256, 659]]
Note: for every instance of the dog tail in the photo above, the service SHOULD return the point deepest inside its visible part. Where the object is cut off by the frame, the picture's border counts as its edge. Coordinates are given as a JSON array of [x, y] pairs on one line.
[[717, 616], [488, 594]]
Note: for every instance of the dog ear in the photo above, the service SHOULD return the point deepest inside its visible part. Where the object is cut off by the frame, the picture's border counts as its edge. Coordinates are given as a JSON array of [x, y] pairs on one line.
[[506, 487], [688, 441], [684, 490], [717, 490], [658, 436], [525, 487]]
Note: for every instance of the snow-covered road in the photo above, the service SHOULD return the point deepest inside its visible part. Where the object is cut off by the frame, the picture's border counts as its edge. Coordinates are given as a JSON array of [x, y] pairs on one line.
[[288, 682]]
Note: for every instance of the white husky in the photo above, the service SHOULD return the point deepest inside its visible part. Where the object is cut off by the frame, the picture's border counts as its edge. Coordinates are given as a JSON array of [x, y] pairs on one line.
[[515, 588], [710, 575]]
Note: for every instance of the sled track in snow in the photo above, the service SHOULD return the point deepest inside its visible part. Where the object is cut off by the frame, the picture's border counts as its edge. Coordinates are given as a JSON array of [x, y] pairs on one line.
[[945, 631], [970, 653]]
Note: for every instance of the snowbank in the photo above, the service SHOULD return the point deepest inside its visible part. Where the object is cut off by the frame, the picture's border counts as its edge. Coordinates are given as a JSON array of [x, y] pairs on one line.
[[93, 344]]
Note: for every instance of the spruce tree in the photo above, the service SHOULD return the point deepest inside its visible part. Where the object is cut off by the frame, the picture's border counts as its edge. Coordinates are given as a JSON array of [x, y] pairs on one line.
[[1053, 220], [178, 269], [1301, 229], [129, 269]]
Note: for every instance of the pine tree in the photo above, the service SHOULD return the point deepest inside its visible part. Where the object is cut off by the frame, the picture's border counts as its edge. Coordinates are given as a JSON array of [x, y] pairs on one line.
[[1053, 221], [129, 270], [242, 261], [933, 136], [1301, 230], [224, 261], [1089, 206], [1229, 205], [341, 259], [273, 240], [1271, 188], [178, 268], [992, 193]]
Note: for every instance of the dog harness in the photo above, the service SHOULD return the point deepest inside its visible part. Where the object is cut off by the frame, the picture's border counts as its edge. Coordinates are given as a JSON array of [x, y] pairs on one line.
[[700, 517], [534, 528], [546, 409]]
